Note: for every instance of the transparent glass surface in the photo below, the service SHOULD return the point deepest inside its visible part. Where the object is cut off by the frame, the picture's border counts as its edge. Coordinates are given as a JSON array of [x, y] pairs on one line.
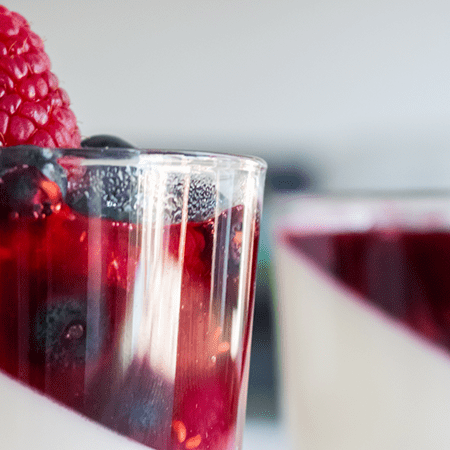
[[364, 300], [126, 297]]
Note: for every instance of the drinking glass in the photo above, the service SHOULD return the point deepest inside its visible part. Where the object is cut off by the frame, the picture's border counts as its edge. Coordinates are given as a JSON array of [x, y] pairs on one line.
[[364, 298], [126, 297]]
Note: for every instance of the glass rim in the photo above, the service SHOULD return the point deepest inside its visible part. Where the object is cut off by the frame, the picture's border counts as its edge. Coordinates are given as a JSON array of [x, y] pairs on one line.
[[366, 194], [361, 209], [226, 161]]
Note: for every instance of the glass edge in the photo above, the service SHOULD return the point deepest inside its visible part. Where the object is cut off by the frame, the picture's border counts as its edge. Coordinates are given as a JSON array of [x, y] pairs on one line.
[[233, 161], [369, 194], [237, 161], [287, 207]]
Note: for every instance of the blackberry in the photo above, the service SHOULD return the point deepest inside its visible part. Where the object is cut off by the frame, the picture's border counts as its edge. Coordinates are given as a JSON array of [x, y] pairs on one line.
[[105, 191], [201, 197]]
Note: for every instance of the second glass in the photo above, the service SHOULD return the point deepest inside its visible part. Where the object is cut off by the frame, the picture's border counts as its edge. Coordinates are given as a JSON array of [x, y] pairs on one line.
[[126, 296], [363, 285]]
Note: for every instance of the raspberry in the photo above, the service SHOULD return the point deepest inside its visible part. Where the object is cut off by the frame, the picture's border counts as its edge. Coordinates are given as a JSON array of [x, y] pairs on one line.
[[205, 412], [33, 109]]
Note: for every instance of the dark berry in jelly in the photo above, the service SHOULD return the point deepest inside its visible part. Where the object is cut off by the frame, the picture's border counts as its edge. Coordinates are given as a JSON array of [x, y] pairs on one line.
[[66, 334], [236, 238], [105, 191], [67, 341], [137, 404], [229, 236], [201, 197], [60, 333], [32, 183], [104, 141]]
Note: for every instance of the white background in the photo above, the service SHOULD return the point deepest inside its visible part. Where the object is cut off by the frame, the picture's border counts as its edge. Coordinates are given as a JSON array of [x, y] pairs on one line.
[[360, 89]]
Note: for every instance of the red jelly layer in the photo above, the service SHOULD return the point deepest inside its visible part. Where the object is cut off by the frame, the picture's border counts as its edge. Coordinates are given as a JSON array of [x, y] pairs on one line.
[[66, 283]]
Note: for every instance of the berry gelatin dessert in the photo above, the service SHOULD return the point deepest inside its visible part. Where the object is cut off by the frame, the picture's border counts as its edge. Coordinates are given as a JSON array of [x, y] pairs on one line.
[[126, 277], [128, 303], [364, 297]]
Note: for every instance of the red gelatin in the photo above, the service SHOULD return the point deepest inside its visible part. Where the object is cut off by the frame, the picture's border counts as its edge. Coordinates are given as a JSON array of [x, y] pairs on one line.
[[66, 285]]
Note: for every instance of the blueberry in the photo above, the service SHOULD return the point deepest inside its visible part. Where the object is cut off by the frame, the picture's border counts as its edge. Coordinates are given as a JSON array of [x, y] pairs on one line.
[[65, 334], [105, 140], [105, 191], [32, 183], [141, 405]]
